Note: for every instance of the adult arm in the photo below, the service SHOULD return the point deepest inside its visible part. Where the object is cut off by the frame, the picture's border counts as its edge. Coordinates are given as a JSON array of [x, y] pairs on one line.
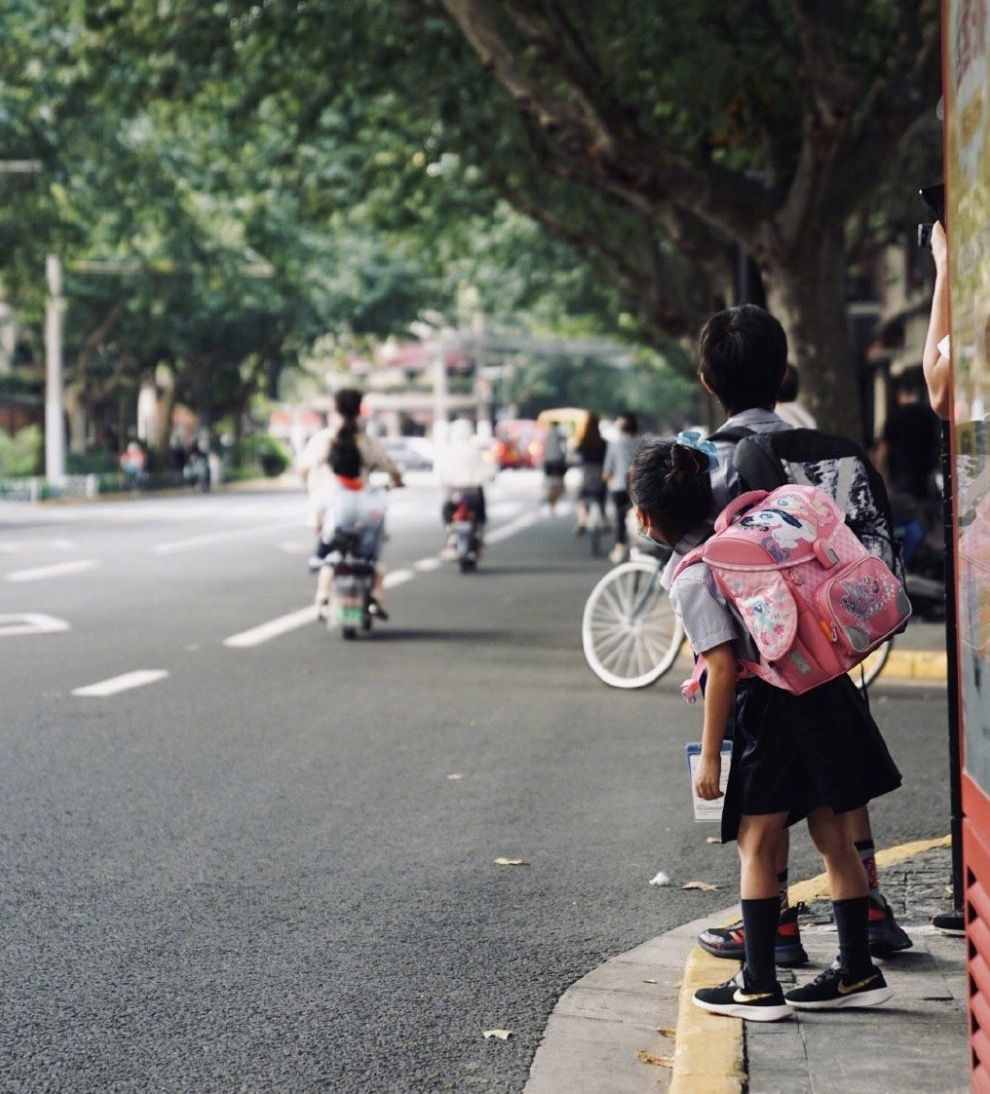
[[377, 459], [937, 366]]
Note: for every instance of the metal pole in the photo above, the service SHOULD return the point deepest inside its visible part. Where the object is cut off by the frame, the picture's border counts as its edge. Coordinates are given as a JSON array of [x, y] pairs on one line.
[[952, 665], [54, 418], [440, 394]]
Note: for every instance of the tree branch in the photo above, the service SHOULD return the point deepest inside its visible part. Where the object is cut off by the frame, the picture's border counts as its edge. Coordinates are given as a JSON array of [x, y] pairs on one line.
[[603, 146]]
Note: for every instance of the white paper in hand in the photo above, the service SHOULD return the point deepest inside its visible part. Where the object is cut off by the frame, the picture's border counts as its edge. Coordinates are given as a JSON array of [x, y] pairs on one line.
[[705, 810]]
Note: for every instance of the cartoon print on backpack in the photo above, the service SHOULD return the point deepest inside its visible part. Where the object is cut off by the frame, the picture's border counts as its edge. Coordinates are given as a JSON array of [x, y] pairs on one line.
[[784, 531]]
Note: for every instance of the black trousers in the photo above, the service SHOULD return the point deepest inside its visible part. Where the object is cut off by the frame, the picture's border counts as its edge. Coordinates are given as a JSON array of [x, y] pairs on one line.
[[622, 503]]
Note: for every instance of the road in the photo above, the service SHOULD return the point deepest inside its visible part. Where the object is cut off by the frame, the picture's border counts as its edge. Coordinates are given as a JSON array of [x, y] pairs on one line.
[[270, 865]]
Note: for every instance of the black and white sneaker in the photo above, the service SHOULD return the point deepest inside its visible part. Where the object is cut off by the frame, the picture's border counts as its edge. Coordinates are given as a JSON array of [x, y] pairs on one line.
[[833, 989], [737, 999]]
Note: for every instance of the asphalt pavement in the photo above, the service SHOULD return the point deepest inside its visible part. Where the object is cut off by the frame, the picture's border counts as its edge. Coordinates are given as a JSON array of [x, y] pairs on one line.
[[269, 864]]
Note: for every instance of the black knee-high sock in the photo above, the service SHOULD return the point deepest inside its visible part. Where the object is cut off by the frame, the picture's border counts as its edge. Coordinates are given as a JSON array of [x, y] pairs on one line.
[[851, 919], [760, 929]]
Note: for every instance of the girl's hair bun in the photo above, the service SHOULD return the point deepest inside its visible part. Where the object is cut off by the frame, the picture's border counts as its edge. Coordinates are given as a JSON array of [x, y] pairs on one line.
[[685, 460]]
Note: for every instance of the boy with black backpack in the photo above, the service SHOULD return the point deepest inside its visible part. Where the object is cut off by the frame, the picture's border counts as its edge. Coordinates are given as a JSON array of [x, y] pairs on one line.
[[743, 357]]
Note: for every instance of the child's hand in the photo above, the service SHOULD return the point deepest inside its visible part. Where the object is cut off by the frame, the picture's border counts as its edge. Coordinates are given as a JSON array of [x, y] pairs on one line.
[[706, 781]]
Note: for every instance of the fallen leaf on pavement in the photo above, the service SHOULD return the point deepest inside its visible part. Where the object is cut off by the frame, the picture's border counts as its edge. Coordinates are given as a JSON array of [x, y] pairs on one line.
[[664, 1031], [649, 981], [713, 839], [511, 862], [657, 1061], [456, 775], [660, 879], [702, 886], [501, 1034]]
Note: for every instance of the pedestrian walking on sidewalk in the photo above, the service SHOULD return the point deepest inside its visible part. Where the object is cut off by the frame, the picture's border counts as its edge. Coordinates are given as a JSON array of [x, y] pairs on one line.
[[618, 457], [817, 756]]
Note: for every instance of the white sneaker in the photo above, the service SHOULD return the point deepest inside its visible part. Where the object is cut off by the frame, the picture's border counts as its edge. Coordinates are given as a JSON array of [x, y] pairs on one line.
[[322, 611], [618, 554]]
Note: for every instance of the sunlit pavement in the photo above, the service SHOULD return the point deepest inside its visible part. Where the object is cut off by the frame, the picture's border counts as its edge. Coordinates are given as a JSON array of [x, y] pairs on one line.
[[270, 865]]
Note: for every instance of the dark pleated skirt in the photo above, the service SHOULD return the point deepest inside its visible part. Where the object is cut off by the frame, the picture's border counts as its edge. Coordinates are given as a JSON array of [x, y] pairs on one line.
[[797, 753]]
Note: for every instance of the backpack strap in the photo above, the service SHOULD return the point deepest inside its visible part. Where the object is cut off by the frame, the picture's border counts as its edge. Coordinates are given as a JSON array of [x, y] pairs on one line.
[[690, 559], [757, 465], [732, 435]]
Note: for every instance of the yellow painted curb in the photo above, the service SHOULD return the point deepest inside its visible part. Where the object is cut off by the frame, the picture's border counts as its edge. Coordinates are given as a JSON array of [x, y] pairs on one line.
[[922, 666], [708, 1053], [816, 888], [931, 665], [708, 1057]]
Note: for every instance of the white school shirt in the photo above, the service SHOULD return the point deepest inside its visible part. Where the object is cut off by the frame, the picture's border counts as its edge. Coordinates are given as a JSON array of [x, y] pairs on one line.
[[707, 619]]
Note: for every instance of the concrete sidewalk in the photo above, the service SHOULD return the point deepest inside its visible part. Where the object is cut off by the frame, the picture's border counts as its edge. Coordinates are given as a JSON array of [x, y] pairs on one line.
[[917, 1042], [630, 1026]]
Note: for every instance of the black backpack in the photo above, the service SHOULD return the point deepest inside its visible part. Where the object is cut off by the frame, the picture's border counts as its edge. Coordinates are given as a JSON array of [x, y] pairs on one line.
[[836, 465]]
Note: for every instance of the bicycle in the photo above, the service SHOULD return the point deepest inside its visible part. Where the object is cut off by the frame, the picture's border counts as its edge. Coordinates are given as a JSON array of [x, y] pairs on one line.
[[631, 635]]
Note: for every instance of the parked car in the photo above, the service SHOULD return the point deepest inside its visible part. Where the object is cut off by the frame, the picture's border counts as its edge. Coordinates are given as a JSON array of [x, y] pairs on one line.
[[518, 443], [409, 453]]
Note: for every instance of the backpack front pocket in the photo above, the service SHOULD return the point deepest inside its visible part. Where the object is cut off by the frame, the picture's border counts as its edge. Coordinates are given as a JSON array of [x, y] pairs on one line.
[[767, 610], [863, 604]]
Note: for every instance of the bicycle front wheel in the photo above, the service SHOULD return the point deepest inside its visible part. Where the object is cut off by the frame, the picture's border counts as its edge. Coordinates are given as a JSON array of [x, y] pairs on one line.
[[630, 633], [868, 670]]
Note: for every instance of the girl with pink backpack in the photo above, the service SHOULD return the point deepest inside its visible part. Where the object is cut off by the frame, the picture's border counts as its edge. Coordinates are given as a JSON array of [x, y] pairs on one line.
[[775, 649]]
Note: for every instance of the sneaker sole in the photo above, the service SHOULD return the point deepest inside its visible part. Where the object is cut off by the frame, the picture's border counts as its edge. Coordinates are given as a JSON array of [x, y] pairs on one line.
[[858, 999], [885, 948], [749, 1014], [790, 958]]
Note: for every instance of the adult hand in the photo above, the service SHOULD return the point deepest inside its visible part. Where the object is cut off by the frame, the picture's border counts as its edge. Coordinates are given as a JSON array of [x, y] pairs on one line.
[[707, 779], [940, 248]]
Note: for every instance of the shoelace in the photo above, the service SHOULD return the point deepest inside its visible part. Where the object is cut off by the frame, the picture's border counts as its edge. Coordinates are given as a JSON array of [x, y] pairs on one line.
[[833, 972]]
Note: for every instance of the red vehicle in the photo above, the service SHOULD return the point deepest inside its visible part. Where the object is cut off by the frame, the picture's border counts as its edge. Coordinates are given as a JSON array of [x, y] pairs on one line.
[[518, 443]]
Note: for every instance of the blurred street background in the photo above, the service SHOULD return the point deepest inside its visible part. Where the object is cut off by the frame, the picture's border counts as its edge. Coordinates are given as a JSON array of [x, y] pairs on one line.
[[238, 852]]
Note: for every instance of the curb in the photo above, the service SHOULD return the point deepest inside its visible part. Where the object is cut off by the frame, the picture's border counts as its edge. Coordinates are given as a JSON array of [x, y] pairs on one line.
[[630, 1025], [280, 484], [706, 1042]]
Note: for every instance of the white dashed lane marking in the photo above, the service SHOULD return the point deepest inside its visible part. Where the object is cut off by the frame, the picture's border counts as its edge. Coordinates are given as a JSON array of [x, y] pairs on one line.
[[117, 684], [273, 629], [12, 626], [190, 544], [58, 569]]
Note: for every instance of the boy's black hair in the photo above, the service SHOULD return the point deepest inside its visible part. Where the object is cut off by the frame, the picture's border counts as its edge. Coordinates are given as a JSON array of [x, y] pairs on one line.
[[629, 423], [670, 483], [742, 357], [790, 386]]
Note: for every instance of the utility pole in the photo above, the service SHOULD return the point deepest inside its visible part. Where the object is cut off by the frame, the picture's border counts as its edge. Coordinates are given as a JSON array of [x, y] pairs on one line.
[[54, 413], [440, 392]]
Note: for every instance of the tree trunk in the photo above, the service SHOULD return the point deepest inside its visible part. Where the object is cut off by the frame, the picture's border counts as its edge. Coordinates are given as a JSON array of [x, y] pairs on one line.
[[807, 292]]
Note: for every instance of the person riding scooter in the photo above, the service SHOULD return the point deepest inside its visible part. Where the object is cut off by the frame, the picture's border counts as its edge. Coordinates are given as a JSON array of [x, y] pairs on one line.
[[463, 472], [353, 455]]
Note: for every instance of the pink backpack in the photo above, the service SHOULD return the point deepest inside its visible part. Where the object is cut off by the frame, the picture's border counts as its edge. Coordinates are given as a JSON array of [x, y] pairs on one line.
[[813, 599]]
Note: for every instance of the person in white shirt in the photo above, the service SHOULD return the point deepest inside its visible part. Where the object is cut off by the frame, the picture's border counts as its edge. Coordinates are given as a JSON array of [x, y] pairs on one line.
[[462, 467]]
